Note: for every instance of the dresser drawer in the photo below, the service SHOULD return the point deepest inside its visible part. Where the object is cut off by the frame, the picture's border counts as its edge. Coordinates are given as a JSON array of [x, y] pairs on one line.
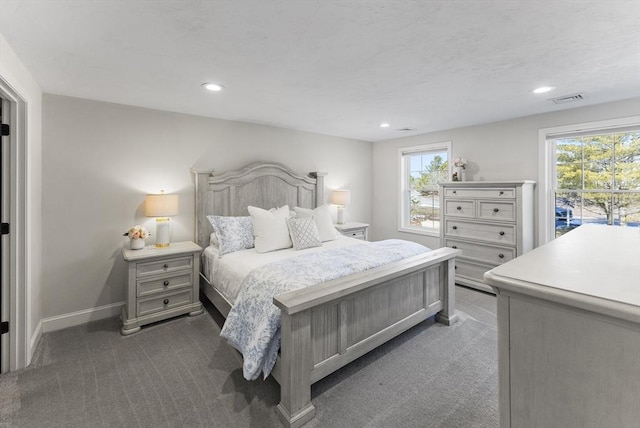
[[498, 233], [488, 253], [494, 210], [502, 193], [457, 208], [470, 270], [163, 302], [165, 283], [166, 265]]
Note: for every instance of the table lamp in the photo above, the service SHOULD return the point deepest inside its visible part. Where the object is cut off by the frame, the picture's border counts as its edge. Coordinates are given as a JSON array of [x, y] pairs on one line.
[[162, 207], [341, 198]]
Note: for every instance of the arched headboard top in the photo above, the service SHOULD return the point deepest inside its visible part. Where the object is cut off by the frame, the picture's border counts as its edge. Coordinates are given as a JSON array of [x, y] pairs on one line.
[[262, 184]]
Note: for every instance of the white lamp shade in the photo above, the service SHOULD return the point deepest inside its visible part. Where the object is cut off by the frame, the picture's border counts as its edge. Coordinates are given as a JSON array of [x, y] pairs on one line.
[[341, 197], [161, 205]]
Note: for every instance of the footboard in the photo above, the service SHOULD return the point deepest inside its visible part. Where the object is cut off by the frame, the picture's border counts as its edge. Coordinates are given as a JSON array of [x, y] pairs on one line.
[[332, 324]]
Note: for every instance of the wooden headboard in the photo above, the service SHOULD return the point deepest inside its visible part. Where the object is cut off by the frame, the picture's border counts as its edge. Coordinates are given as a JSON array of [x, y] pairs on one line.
[[262, 184]]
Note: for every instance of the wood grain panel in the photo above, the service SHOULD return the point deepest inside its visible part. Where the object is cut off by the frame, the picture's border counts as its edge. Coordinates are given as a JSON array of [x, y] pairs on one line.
[[325, 333]]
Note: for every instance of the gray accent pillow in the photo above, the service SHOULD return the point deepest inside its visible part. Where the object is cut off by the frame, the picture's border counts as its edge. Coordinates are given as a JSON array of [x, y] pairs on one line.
[[233, 233], [304, 233]]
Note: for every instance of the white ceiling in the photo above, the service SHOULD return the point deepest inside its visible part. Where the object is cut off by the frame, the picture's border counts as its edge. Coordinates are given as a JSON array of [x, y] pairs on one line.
[[332, 67]]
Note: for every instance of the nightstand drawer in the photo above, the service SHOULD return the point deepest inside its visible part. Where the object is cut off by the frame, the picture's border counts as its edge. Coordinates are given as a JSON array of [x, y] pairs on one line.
[[164, 283], [163, 302], [358, 234], [498, 233], [474, 271], [490, 210], [460, 208], [483, 252], [166, 265], [480, 193]]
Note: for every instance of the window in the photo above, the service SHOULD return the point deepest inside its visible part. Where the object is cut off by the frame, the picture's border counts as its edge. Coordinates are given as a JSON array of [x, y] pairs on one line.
[[593, 176], [421, 168]]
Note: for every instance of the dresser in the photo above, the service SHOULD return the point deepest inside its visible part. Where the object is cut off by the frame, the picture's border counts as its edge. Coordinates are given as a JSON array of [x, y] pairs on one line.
[[569, 331], [491, 222], [354, 230], [161, 283]]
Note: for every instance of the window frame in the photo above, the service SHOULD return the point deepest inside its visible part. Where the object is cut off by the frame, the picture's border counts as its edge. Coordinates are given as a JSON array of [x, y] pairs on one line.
[[404, 191], [547, 165]]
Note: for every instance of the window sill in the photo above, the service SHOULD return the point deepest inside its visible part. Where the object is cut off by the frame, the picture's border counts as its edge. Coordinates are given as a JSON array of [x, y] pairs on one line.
[[424, 232]]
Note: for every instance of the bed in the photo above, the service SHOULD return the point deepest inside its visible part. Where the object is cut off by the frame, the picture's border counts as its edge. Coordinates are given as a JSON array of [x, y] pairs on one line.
[[325, 326]]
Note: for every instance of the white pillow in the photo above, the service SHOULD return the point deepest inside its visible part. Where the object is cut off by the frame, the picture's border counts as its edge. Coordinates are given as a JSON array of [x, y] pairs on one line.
[[304, 233], [270, 229], [322, 217], [213, 240]]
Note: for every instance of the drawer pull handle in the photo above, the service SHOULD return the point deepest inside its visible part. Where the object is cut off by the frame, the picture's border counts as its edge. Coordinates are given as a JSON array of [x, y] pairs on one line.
[[501, 233], [501, 193], [166, 301], [455, 267], [458, 208], [454, 227], [501, 255], [455, 191], [166, 265], [166, 283], [454, 247], [495, 210]]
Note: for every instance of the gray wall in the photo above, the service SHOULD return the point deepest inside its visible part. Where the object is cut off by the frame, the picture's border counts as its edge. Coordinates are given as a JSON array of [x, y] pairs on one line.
[[496, 151], [101, 159]]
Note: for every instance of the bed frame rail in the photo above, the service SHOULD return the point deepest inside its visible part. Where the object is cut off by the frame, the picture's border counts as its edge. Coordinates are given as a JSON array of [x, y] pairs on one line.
[[325, 327]]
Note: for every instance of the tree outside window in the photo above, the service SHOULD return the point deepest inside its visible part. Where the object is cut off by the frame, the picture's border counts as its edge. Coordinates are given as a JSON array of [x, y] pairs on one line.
[[597, 180]]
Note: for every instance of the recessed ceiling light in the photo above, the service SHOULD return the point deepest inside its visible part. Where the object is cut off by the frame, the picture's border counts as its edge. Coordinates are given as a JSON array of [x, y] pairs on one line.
[[215, 87], [384, 125], [543, 89]]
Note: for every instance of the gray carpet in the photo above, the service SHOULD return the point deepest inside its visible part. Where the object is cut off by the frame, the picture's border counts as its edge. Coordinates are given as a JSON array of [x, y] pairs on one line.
[[180, 373]]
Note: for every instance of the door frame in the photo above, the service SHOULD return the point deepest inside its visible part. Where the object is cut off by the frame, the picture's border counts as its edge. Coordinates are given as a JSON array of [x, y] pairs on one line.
[[17, 292]]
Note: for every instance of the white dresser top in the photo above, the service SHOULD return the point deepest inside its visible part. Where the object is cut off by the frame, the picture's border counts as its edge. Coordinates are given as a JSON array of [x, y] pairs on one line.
[[593, 267]]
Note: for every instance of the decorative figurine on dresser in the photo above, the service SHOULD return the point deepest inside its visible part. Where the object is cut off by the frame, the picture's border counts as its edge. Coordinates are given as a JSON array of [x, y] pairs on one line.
[[491, 222], [161, 283]]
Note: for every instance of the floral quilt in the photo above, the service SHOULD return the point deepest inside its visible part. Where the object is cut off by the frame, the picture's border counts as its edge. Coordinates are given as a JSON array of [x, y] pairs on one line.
[[253, 324]]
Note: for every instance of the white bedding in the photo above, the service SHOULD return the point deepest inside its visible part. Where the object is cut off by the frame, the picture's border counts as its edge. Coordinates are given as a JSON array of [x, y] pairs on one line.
[[226, 273]]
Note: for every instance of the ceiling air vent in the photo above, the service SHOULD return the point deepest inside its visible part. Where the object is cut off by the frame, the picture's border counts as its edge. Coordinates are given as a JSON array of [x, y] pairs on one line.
[[568, 99]]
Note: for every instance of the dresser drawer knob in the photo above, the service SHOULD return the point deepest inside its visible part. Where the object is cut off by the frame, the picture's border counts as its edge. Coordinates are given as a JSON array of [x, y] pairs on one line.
[[495, 210], [166, 265], [501, 256], [454, 247], [166, 301], [455, 192], [501, 193], [501, 233], [458, 208], [166, 283], [454, 227]]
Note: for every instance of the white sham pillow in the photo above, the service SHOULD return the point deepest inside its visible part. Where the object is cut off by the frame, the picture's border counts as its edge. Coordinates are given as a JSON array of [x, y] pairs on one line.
[[270, 228], [304, 233], [322, 217]]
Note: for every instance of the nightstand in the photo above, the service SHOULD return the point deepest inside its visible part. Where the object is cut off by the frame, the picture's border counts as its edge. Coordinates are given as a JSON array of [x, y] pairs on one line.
[[161, 283], [354, 230]]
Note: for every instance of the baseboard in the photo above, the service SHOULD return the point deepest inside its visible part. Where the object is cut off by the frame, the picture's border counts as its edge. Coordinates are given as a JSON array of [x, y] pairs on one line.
[[35, 339], [81, 317]]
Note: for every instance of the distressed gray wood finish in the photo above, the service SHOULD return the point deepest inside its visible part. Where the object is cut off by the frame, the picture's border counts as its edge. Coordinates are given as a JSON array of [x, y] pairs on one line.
[[329, 325], [569, 335]]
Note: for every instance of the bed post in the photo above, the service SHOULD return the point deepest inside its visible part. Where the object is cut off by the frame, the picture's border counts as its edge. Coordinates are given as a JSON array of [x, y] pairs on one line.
[[319, 176], [295, 408], [201, 188], [448, 314]]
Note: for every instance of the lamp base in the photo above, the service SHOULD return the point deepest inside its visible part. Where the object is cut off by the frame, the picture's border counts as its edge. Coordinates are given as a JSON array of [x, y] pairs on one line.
[[163, 232], [340, 215]]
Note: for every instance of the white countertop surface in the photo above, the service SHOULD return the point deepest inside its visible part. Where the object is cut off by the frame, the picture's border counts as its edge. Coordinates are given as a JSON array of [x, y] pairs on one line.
[[594, 265]]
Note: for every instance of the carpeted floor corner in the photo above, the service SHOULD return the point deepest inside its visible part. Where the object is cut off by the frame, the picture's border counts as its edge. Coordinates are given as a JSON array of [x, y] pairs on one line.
[[180, 373]]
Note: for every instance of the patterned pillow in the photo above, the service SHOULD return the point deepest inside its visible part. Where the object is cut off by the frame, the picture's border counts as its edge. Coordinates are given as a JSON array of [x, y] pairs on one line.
[[304, 233], [234, 233]]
